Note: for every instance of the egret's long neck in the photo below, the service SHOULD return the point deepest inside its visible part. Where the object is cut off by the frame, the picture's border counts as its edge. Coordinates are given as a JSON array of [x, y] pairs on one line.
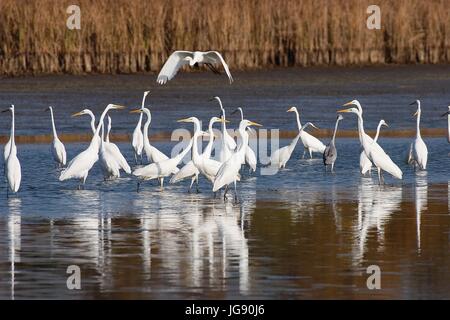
[[209, 146], [197, 129], [181, 155], [108, 131], [448, 128], [102, 135], [94, 141], [224, 125], [335, 130], [242, 114], [299, 124], [92, 122], [13, 142], [146, 125], [244, 138], [418, 124], [55, 135], [378, 132], [362, 134]]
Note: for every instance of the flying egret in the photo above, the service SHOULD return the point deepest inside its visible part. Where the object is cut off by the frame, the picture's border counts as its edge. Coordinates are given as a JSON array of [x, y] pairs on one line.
[[448, 123], [373, 151], [78, 167], [12, 167], [190, 170], [310, 143], [152, 153], [365, 163], [179, 59], [115, 151], [162, 169], [420, 151], [58, 149], [330, 153], [110, 167], [250, 157], [138, 138], [229, 171], [227, 142]]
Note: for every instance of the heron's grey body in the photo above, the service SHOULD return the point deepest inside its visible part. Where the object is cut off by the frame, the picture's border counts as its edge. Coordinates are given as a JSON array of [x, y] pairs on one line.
[[330, 153]]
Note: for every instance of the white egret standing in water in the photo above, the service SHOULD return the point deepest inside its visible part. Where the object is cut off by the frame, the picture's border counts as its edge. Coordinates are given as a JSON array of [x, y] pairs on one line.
[[138, 138], [420, 151], [373, 151], [110, 167], [330, 152], [115, 151], [227, 142], [78, 167], [229, 171], [310, 143], [12, 167], [180, 58], [365, 164], [448, 123], [250, 157], [203, 161], [58, 149]]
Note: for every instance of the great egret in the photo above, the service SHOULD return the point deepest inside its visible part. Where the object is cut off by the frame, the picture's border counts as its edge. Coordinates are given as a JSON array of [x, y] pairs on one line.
[[310, 143], [6, 151], [373, 151], [110, 167], [162, 169], [227, 142], [58, 149], [281, 156], [229, 171], [420, 151], [92, 116], [448, 123], [250, 157], [152, 153], [330, 153], [190, 170], [180, 58], [12, 167], [115, 151], [138, 138], [365, 165], [79, 167]]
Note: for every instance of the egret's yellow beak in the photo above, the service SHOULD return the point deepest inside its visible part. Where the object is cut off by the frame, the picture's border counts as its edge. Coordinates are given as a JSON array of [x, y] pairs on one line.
[[77, 114], [119, 107], [184, 120], [348, 104], [415, 113], [386, 124], [292, 109], [255, 124], [136, 111], [223, 120], [345, 110]]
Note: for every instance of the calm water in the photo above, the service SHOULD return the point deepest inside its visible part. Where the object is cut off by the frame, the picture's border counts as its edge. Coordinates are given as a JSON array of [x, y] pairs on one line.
[[298, 234]]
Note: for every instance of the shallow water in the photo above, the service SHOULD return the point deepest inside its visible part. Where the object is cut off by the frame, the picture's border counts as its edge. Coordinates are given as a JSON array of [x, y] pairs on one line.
[[300, 233]]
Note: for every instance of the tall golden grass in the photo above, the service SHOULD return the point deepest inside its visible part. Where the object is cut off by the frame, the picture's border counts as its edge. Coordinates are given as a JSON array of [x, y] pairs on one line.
[[135, 35]]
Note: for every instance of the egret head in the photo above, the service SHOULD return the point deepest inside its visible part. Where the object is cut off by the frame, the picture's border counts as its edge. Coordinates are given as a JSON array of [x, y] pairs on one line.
[[351, 110], [48, 108], [354, 103], [418, 107], [146, 93], [383, 123], [292, 109], [247, 123], [307, 125], [238, 109], [340, 117], [217, 119], [84, 111], [190, 119], [11, 108]]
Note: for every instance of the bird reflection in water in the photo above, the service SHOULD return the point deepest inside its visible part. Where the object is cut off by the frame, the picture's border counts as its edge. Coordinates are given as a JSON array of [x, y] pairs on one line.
[[14, 237], [420, 202]]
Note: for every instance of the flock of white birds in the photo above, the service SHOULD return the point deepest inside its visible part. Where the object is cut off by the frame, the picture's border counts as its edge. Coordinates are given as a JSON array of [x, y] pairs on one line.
[[232, 154]]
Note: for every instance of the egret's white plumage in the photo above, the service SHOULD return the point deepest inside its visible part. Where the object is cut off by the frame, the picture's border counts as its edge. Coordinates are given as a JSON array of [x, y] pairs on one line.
[[310, 143], [110, 166], [138, 138], [12, 168], [78, 167], [229, 170], [227, 145], [58, 149], [115, 151], [365, 164], [180, 58], [420, 151], [250, 156], [190, 170], [373, 151]]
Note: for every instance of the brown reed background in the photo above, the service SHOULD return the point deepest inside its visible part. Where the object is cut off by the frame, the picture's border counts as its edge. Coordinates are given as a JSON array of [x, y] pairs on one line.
[[135, 36]]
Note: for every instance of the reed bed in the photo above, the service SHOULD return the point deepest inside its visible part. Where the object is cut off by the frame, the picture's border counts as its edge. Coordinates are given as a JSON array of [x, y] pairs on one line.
[[119, 36]]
